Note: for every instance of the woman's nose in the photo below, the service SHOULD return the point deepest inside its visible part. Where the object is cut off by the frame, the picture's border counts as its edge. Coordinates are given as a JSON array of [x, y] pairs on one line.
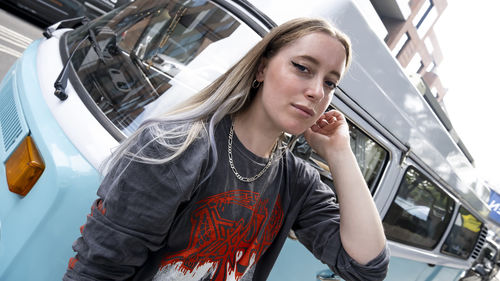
[[315, 90]]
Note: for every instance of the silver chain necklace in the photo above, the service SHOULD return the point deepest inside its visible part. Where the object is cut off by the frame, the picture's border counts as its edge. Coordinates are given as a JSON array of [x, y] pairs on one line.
[[230, 154]]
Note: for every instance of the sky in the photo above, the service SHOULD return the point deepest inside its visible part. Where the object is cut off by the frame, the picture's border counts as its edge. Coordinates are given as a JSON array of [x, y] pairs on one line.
[[469, 35]]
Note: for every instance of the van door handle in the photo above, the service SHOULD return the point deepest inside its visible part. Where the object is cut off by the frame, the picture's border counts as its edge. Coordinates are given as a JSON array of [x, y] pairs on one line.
[[332, 278], [431, 265], [326, 275]]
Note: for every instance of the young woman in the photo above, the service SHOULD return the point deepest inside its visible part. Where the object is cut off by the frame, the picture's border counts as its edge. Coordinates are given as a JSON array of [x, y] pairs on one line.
[[208, 192]]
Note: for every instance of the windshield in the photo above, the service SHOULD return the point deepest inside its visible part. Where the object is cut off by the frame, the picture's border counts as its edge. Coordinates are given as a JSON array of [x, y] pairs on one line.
[[155, 54]]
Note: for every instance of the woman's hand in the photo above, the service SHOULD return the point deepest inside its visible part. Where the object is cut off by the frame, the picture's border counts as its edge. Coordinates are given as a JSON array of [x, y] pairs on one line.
[[330, 133], [361, 229]]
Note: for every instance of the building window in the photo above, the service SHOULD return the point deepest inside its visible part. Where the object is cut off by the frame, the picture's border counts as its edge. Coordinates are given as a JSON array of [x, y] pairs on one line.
[[422, 13], [428, 45], [415, 65], [430, 67], [428, 21], [435, 92], [401, 44]]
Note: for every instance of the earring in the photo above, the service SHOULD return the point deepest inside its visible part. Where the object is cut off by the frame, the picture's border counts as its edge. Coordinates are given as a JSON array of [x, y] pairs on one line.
[[255, 84]]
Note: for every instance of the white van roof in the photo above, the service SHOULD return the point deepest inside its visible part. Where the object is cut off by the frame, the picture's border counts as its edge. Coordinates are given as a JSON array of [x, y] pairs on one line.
[[398, 107]]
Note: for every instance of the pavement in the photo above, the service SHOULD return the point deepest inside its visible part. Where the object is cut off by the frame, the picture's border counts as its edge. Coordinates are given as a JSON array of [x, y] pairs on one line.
[[497, 277]]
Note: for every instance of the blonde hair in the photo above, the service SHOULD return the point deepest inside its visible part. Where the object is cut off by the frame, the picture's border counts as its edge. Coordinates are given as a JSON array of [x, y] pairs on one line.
[[228, 94]]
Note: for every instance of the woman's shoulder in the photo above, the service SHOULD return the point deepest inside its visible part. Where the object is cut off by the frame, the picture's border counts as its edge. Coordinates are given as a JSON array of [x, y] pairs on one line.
[[161, 139], [300, 168], [296, 162]]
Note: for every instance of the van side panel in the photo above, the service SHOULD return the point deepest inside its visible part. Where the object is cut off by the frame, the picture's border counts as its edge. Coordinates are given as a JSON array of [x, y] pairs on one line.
[[295, 263], [442, 273], [294, 258], [406, 269], [44, 223]]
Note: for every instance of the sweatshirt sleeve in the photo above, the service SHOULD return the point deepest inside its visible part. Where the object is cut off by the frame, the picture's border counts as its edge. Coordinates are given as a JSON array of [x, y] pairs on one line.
[[318, 229], [135, 207]]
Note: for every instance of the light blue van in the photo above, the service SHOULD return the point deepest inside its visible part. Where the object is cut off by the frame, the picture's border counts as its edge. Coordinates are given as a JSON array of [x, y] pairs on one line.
[[141, 59]]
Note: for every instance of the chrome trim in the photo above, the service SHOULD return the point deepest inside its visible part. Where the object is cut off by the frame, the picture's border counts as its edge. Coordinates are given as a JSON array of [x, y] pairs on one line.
[[326, 278], [52, 7], [94, 8]]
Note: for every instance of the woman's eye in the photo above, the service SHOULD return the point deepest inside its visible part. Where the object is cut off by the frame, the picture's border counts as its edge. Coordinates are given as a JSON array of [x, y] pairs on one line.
[[300, 67], [331, 85]]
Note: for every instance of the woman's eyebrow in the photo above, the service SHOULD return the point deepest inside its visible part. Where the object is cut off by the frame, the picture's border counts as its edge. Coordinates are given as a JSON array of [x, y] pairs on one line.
[[309, 58], [314, 61]]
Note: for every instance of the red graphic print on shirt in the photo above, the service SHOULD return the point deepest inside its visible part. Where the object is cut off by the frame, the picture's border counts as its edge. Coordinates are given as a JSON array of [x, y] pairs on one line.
[[230, 231]]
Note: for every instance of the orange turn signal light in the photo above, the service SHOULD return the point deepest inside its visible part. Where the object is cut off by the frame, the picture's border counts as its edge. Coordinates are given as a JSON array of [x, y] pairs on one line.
[[24, 167]]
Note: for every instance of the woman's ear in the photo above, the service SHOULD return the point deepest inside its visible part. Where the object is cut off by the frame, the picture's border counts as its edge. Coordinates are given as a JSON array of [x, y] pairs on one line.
[[261, 70]]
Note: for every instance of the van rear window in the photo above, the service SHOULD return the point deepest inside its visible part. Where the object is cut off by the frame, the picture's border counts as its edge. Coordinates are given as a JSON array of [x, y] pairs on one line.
[[463, 236], [155, 54]]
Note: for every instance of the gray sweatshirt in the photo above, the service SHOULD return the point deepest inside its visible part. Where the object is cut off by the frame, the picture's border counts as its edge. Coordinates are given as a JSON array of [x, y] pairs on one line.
[[172, 222]]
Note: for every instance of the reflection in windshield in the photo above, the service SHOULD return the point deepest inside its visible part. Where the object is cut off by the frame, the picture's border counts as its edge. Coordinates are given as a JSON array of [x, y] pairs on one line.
[[156, 54]]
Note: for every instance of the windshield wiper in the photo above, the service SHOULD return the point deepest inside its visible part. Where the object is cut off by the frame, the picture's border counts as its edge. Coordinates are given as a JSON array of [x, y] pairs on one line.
[[67, 23], [62, 80]]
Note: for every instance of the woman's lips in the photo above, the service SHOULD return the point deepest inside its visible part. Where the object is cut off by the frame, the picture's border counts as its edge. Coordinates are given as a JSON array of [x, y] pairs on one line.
[[304, 110]]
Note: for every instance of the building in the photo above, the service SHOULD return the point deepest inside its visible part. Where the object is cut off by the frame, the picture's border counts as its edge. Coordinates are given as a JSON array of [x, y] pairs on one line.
[[406, 26], [411, 37]]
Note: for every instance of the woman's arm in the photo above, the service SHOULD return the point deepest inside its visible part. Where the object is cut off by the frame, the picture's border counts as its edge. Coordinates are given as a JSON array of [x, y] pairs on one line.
[[130, 219], [361, 230], [136, 206]]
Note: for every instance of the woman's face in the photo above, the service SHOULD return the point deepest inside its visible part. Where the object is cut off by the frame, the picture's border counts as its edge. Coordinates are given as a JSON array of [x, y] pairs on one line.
[[299, 80]]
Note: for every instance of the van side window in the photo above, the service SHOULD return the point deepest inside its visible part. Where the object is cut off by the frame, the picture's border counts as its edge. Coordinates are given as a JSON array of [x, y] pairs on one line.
[[419, 214], [463, 236], [371, 157]]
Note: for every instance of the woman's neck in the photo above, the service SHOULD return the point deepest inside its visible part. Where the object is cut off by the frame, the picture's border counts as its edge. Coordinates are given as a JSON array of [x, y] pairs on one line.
[[255, 133]]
